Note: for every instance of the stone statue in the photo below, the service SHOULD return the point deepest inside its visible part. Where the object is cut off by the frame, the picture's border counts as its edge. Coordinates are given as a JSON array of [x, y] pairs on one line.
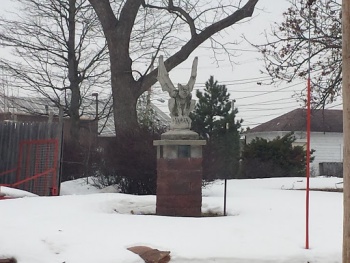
[[180, 103]]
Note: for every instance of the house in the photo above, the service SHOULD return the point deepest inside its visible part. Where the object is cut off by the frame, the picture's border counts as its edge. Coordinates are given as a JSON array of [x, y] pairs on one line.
[[39, 109], [326, 136]]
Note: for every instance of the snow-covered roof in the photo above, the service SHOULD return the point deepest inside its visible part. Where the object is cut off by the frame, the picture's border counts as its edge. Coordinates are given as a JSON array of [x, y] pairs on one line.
[[327, 120]]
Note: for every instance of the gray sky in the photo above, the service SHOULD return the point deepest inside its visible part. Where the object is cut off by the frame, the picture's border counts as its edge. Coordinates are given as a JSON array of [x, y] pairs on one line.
[[256, 103]]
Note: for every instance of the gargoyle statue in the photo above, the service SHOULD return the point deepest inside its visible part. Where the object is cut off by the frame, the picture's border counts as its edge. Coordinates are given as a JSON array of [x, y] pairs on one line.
[[180, 103]]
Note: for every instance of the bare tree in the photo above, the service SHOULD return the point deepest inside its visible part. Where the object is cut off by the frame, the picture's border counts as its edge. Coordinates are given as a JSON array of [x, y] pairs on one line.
[[58, 51], [138, 30], [286, 52]]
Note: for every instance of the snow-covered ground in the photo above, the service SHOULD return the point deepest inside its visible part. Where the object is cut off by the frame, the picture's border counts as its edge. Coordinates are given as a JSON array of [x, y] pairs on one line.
[[265, 223], [14, 193]]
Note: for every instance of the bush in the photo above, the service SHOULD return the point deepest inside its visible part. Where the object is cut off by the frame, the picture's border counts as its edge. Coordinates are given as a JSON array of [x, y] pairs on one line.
[[130, 163], [74, 161], [276, 158]]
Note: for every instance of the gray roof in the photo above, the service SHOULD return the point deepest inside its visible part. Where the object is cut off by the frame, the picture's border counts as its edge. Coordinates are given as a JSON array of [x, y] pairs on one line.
[[321, 121], [42, 106]]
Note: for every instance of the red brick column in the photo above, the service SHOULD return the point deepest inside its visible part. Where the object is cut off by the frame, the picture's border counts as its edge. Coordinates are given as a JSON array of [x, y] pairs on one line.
[[179, 187]]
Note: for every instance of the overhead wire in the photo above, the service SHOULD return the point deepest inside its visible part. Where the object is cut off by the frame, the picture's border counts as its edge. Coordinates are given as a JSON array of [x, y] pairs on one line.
[[268, 92]]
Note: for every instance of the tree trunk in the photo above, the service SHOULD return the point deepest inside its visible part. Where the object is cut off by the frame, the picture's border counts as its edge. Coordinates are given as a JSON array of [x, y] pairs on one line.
[[125, 89], [346, 128], [124, 105], [73, 75]]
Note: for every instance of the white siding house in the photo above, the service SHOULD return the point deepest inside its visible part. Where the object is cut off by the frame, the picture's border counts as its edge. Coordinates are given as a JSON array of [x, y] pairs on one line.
[[326, 136]]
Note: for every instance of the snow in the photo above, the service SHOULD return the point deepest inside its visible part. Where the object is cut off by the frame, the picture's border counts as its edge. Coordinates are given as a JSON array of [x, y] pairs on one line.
[[14, 193], [265, 223]]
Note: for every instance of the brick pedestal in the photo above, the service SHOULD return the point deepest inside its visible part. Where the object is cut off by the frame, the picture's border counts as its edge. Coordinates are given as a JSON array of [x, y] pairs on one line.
[[179, 176]]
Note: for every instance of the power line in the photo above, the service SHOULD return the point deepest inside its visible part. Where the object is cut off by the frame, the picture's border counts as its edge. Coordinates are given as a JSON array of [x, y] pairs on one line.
[[271, 109], [268, 92], [267, 101], [259, 104]]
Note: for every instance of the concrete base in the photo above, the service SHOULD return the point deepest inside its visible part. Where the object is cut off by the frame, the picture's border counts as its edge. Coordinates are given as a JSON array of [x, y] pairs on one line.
[[179, 173]]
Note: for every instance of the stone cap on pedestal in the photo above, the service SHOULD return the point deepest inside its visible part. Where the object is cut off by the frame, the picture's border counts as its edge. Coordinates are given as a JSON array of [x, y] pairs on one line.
[[184, 134], [179, 144]]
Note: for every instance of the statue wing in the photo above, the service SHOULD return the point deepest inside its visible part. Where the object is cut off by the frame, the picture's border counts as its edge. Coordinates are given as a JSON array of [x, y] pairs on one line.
[[193, 77], [163, 78]]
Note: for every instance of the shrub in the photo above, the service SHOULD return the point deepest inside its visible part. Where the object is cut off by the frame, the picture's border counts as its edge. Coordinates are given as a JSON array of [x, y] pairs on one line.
[[277, 158], [74, 161], [131, 163]]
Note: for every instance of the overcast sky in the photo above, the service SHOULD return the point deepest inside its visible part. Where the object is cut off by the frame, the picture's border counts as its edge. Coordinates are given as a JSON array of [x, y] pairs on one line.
[[256, 103]]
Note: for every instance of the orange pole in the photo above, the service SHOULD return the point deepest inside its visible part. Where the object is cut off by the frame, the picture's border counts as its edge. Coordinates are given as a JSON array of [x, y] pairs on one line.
[[308, 130]]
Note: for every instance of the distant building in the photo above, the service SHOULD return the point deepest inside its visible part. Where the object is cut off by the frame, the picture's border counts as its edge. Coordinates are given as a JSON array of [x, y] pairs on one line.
[[39, 109], [93, 132], [326, 136], [26, 109]]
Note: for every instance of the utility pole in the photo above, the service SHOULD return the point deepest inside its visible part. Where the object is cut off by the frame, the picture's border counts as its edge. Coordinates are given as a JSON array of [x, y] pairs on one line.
[[346, 127], [149, 91], [95, 94]]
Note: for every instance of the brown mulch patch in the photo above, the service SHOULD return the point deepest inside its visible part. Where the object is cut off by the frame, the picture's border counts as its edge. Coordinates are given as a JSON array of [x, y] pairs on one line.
[[150, 255]]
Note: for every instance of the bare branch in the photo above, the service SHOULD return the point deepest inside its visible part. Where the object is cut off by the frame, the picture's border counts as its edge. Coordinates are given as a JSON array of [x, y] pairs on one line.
[[46, 58], [287, 55], [195, 41]]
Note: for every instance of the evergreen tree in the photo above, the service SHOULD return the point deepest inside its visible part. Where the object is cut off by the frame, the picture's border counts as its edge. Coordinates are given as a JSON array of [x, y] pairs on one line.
[[214, 120]]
